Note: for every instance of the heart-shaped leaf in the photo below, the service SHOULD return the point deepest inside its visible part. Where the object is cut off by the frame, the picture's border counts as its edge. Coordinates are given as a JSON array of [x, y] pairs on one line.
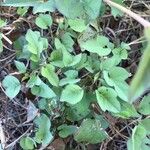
[[48, 72], [12, 86], [43, 21], [97, 45], [107, 99], [72, 94]]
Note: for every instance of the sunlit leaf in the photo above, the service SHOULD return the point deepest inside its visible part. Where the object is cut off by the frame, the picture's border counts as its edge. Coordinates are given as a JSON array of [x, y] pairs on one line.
[[107, 99], [72, 94]]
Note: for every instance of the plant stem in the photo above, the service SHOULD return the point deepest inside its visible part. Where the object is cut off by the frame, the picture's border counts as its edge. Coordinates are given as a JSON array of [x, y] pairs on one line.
[[135, 16]]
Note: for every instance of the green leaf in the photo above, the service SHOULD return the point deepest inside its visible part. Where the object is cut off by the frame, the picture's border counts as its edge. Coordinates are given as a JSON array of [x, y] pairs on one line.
[[34, 80], [72, 94], [71, 74], [65, 81], [42, 90], [121, 53], [48, 72], [109, 63], [116, 77], [144, 107], [146, 124], [70, 78], [66, 130], [11, 85], [70, 60], [127, 110], [19, 3], [118, 74], [86, 35], [43, 134], [81, 109], [27, 143], [141, 80], [70, 8], [56, 58], [138, 135], [146, 144], [42, 103], [44, 7], [67, 58], [39, 6], [43, 21], [90, 131], [2, 23], [97, 45], [21, 48], [107, 99], [20, 66], [22, 11], [67, 41], [116, 12], [125, 46], [103, 121], [34, 46], [92, 8], [77, 25]]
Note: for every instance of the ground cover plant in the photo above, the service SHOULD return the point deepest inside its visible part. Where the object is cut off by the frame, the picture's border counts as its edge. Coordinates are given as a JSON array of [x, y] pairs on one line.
[[71, 75]]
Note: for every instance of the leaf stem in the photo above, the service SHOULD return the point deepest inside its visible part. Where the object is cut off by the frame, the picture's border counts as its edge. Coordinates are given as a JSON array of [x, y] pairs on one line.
[[135, 16]]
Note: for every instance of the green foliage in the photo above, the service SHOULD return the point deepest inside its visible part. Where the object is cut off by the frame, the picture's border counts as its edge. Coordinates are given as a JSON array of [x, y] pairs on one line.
[[75, 74], [2, 23], [19, 3], [98, 45], [116, 77], [69, 8], [38, 6], [48, 72], [127, 110], [77, 25], [36, 44], [11, 85], [114, 11], [144, 106], [72, 94], [140, 83], [65, 130], [138, 135], [20, 66], [107, 99], [90, 131], [43, 134], [43, 21], [81, 109], [43, 90], [27, 143], [22, 11]]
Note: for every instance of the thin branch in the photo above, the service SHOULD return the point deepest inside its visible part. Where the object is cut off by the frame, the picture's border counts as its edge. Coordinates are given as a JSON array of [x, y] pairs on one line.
[[7, 39], [135, 16]]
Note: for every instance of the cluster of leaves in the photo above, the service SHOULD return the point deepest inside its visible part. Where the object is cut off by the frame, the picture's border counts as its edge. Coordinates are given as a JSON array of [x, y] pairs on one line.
[[74, 68]]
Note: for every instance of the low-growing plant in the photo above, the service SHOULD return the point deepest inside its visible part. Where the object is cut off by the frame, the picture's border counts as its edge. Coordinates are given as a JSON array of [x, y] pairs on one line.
[[73, 69]]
